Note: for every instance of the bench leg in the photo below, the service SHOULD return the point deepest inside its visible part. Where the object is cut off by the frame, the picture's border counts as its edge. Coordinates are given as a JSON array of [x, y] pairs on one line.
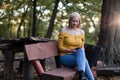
[[38, 66], [28, 70], [20, 68], [9, 61]]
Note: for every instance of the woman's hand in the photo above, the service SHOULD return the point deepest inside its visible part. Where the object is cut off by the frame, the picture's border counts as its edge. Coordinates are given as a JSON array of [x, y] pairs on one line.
[[70, 50]]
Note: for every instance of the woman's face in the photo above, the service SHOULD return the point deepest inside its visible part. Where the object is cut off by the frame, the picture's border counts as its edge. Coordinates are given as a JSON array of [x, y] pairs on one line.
[[75, 22]]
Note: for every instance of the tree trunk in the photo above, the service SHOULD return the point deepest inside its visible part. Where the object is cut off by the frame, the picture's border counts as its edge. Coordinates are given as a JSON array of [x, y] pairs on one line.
[[34, 19], [109, 37], [21, 22], [51, 24]]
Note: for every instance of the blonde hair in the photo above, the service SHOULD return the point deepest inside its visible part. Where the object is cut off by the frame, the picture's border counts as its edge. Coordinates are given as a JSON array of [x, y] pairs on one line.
[[72, 15]]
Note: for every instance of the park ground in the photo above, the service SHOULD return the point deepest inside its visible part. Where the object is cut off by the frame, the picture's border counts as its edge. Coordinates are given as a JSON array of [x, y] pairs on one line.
[[50, 65]]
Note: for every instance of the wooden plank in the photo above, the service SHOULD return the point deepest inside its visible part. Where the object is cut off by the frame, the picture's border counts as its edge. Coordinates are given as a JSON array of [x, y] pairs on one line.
[[41, 50], [4, 46], [108, 71], [2, 59], [60, 74]]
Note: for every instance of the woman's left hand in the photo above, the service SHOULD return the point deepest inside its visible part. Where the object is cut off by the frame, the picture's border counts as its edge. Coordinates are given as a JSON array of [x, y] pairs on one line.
[[73, 51]]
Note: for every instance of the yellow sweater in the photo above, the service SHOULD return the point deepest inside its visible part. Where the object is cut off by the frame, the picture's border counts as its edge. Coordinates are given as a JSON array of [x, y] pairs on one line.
[[69, 41]]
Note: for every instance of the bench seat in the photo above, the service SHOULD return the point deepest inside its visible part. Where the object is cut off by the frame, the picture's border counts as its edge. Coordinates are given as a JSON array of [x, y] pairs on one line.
[[60, 74]]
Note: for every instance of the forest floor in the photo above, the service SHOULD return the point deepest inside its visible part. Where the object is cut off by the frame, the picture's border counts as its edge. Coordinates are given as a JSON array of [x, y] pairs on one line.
[[19, 76], [50, 65]]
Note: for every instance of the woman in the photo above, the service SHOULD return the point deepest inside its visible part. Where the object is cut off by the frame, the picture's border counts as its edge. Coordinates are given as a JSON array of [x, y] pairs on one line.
[[71, 46]]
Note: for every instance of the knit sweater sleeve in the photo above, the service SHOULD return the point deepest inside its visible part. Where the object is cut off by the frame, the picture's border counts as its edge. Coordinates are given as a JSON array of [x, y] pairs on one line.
[[61, 42], [83, 42]]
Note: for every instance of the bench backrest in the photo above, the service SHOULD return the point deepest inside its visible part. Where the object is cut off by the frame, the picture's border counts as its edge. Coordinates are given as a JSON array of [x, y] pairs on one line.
[[41, 50], [46, 49], [92, 53]]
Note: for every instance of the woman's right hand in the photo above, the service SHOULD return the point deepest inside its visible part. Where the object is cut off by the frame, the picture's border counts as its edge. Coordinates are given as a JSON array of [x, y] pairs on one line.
[[70, 50]]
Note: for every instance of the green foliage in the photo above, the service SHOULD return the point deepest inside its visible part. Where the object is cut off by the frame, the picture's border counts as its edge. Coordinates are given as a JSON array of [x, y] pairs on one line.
[[11, 13], [4, 31]]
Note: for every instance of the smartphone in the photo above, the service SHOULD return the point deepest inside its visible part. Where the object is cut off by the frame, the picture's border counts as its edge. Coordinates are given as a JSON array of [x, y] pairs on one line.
[[77, 48]]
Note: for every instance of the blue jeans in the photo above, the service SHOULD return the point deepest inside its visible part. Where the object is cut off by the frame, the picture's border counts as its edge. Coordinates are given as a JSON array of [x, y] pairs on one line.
[[77, 59]]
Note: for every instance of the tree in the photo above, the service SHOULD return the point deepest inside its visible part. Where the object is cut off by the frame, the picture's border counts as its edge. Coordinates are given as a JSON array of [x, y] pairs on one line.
[[51, 23], [21, 22], [34, 18], [109, 37], [17, 17]]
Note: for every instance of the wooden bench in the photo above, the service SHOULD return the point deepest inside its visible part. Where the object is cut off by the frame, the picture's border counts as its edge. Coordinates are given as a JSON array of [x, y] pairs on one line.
[[3, 47], [105, 71], [92, 54], [108, 73], [43, 50], [2, 57]]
